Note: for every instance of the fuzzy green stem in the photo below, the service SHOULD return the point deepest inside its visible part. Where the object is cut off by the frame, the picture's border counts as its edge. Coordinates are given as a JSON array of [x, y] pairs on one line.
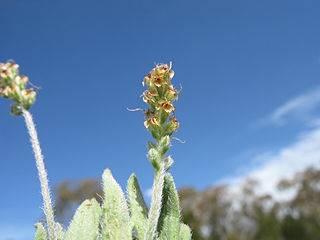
[[156, 202], [45, 191]]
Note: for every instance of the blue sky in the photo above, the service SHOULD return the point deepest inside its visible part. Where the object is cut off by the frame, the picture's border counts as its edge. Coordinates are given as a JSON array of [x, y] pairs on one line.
[[250, 104]]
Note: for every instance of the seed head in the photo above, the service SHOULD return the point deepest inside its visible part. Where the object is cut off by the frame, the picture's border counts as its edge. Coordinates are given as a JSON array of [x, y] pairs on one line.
[[160, 96], [13, 86]]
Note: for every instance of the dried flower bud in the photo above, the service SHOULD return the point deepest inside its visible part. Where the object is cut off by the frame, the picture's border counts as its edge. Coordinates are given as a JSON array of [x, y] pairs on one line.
[[148, 95], [159, 76], [13, 86], [172, 94], [174, 124], [161, 69], [171, 74], [4, 73], [12, 65], [28, 98], [148, 113], [158, 81], [166, 106], [147, 80], [28, 93], [8, 71], [7, 92], [21, 81], [152, 121]]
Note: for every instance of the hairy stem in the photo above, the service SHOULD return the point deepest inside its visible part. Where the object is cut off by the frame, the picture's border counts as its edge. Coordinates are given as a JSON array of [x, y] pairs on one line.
[[156, 202], [48, 210]]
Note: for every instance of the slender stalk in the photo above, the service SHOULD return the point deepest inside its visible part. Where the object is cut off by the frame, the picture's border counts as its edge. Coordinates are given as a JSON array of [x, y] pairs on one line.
[[45, 191], [161, 123], [156, 202]]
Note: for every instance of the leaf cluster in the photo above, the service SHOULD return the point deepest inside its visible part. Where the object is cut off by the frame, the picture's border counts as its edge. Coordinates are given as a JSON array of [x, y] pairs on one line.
[[121, 217]]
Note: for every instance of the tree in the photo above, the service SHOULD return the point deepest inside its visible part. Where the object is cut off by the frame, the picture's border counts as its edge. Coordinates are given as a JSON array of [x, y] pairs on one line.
[[70, 194], [303, 210], [219, 213]]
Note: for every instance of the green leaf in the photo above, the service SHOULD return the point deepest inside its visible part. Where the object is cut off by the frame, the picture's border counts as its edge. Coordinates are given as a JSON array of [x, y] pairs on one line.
[[185, 232], [167, 163], [138, 208], [169, 221], [164, 145], [163, 116], [60, 232], [85, 223], [155, 158], [116, 220], [41, 233], [150, 145], [16, 109]]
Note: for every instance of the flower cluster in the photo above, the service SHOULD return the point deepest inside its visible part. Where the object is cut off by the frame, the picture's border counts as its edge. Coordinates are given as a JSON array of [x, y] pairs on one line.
[[13, 86], [159, 118]]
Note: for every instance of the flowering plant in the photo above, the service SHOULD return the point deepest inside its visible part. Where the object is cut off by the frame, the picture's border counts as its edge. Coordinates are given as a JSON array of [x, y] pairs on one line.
[[119, 217]]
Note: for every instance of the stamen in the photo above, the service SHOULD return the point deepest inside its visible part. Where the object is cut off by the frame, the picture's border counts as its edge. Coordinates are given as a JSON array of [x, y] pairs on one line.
[[179, 140], [135, 109]]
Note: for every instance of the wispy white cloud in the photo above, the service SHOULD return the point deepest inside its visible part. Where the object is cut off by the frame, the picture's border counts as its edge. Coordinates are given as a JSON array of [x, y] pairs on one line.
[[315, 122], [300, 107], [272, 166], [284, 163]]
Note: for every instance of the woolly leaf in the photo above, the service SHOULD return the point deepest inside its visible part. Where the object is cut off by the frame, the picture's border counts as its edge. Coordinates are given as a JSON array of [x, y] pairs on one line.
[[169, 221], [168, 162], [41, 233], [150, 145], [138, 208], [60, 232], [85, 223], [185, 232], [116, 220], [155, 158], [164, 144]]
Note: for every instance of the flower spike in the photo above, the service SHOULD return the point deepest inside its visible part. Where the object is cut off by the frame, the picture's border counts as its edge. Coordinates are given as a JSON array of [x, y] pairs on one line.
[[13, 86], [160, 96]]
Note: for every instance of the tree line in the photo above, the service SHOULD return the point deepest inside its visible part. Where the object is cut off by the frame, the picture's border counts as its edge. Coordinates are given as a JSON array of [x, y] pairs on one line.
[[219, 213]]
